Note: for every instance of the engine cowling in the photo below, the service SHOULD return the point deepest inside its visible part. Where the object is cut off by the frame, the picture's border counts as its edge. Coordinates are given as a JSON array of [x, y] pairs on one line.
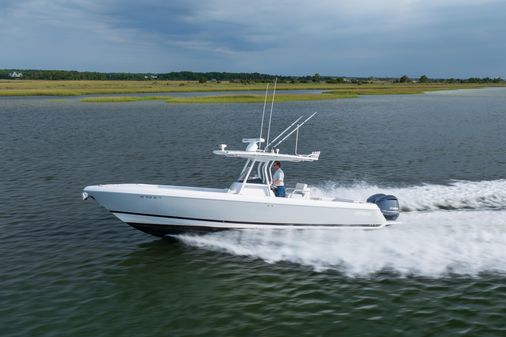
[[388, 204]]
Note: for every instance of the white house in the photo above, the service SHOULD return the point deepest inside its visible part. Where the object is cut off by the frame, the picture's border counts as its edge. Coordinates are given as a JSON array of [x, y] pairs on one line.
[[15, 75]]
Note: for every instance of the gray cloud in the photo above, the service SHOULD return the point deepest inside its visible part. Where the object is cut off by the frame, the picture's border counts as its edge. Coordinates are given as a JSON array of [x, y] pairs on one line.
[[439, 38]]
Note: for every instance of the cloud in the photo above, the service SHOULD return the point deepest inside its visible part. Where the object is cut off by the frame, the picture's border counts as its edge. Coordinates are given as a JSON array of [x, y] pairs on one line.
[[360, 37]]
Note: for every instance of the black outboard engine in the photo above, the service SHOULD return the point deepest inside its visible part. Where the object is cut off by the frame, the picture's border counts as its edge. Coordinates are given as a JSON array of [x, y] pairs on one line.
[[388, 204]]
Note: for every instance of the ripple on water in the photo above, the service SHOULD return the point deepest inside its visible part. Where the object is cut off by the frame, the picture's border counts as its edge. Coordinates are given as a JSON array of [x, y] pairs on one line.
[[69, 268]]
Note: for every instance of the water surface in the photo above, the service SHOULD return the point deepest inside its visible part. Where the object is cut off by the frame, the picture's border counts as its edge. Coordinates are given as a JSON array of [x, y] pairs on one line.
[[69, 267]]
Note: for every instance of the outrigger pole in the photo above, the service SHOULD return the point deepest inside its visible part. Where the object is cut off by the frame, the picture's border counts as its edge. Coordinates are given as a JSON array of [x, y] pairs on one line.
[[272, 106], [295, 129], [282, 133], [263, 115], [268, 143]]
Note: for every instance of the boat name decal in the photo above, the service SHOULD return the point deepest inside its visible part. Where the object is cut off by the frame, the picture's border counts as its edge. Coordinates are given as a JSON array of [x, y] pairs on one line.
[[150, 197]]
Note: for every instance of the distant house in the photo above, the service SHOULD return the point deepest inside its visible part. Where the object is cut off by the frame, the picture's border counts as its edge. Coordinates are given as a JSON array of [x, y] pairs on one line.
[[15, 75]]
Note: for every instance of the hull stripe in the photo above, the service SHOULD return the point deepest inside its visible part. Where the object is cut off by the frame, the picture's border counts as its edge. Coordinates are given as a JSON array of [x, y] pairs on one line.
[[247, 222]]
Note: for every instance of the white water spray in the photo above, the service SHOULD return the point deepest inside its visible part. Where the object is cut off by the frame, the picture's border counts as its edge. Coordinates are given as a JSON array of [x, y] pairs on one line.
[[455, 229], [458, 195]]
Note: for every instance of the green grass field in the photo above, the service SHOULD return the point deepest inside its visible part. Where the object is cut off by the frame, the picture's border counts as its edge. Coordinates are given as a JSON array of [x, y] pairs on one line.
[[331, 91]]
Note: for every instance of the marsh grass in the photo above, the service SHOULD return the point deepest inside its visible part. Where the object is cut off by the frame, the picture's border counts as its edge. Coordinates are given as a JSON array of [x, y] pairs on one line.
[[77, 88], [332, 91], [221, 99], [400, 89], [258, 98], [122, 99]]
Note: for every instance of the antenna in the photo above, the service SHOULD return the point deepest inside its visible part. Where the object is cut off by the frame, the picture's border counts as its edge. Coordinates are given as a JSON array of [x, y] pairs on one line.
[[263, 115], [272, 106]]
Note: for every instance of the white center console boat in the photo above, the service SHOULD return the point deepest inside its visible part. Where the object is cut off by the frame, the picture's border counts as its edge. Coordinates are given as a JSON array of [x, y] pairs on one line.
[[248, 203]]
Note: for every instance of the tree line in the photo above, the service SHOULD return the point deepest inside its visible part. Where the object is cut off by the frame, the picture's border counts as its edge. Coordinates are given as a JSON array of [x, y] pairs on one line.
[[31, 74], [425, 79]]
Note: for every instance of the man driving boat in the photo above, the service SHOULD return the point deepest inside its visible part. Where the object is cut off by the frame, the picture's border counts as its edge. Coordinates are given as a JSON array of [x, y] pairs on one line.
[[278, 178]]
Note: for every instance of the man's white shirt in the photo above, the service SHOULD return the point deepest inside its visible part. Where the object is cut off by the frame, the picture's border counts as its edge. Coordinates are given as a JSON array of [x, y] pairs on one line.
[[279, 175]]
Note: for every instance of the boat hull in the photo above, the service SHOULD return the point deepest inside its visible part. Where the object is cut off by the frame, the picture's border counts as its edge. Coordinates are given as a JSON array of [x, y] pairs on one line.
[[165, 210], [164, 230]]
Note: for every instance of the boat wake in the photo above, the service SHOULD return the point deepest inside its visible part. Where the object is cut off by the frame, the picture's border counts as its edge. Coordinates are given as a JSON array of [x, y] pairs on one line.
[[457, 195], [455, 229]]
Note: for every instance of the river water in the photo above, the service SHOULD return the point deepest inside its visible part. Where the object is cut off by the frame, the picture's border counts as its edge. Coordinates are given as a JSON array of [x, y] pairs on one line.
[[69, 268]]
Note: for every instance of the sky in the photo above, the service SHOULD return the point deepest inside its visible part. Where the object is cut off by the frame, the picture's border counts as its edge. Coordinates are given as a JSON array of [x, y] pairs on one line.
[[380, 38]]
